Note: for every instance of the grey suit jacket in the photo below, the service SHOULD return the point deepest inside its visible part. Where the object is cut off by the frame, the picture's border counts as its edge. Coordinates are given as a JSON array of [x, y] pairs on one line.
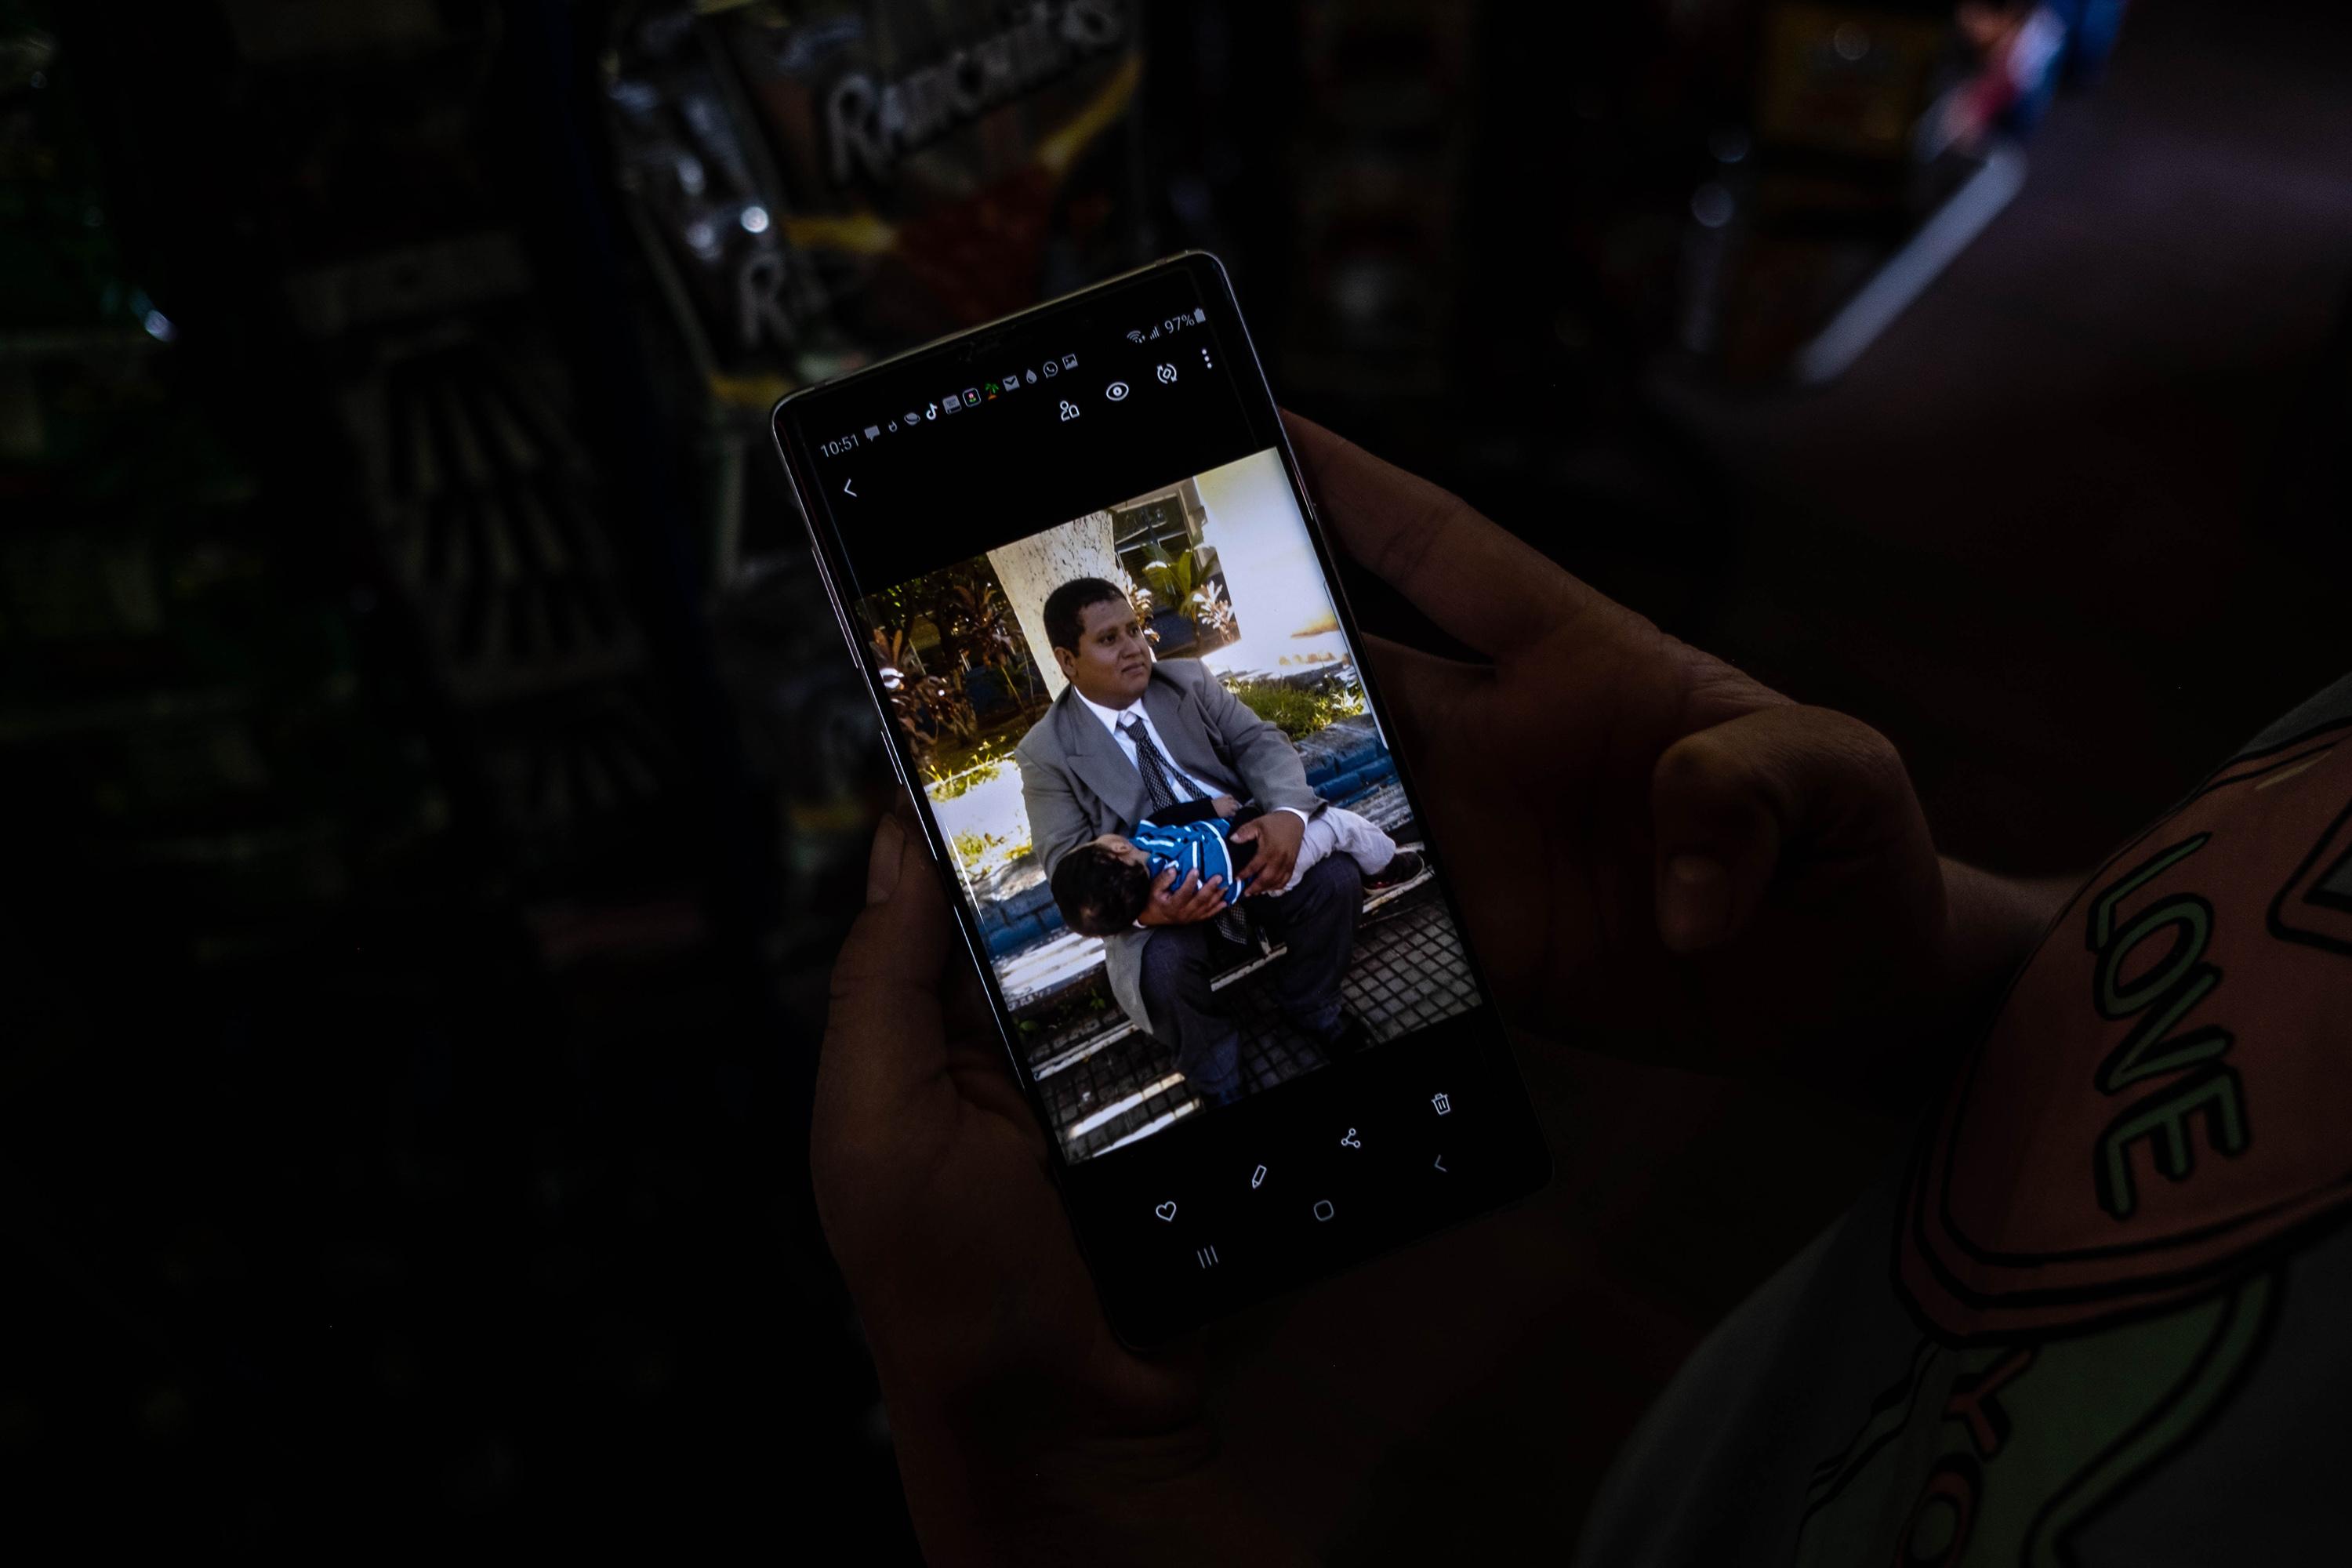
[[1077, 784]]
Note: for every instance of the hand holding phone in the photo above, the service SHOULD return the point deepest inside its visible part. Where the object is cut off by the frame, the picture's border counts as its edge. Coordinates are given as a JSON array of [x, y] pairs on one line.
[[1726, 880], [1085, 620], [1024, 1430], [934, 1173]]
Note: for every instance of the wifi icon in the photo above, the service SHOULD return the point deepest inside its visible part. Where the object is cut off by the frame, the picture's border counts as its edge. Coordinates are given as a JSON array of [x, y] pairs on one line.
[[1136, 336]]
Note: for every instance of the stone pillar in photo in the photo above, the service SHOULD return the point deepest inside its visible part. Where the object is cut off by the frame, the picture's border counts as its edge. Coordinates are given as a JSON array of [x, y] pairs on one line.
[[1271, 576], [1031, 568]]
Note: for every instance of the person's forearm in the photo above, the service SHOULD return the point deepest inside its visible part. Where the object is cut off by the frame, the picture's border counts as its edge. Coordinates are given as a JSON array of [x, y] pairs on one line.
[[1996, 922], [1992, 925], [1898, 1050]]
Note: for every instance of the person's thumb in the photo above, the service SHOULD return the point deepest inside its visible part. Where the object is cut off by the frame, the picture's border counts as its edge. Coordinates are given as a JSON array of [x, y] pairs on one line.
[[883, 1038], [1769, 794]]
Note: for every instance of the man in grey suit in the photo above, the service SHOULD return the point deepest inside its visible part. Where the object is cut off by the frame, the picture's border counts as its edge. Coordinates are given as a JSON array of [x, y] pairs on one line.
[[1132, 736]]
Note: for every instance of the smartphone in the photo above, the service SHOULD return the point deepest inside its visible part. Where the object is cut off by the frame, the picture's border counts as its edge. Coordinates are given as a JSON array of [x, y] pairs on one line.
[[1077, 566]]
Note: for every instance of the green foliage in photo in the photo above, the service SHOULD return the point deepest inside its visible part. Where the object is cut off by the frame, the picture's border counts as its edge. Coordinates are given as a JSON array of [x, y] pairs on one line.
[[1299, 711]]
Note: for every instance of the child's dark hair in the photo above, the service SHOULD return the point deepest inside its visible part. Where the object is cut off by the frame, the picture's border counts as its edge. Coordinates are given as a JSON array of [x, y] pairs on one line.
[[1098, 893]]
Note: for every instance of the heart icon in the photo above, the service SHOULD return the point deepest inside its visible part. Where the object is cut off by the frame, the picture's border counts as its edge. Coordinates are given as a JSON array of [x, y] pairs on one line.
[[1166, 1211]]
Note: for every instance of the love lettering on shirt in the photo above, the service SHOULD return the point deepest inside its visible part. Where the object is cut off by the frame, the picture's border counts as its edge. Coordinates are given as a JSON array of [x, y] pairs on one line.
[[2158, 1095]]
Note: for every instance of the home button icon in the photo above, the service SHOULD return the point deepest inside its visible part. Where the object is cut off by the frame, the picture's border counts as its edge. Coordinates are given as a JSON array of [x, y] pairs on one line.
[[1323, 1209]]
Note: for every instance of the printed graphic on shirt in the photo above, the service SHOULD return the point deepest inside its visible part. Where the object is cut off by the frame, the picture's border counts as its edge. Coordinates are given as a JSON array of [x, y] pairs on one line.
[[2315, 906], [1999, 1454], [2155, 1099]]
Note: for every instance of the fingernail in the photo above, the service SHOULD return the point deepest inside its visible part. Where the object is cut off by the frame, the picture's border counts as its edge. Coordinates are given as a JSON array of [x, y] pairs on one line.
[[1693, 902], [882, 867]]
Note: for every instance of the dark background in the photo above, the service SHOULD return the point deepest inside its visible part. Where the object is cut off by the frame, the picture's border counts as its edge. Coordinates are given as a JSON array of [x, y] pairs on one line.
[[410, 1010]]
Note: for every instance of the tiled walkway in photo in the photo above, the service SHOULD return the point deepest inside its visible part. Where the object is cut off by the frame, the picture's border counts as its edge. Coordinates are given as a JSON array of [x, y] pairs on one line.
[[1409, 971]]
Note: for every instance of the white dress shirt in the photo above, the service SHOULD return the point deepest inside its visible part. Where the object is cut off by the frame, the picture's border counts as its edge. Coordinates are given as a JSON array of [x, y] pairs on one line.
[[1112, 718]]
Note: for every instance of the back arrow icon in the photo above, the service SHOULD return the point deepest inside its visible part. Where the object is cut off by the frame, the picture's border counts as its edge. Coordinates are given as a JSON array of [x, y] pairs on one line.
[[1441, 1164], [849, 488]]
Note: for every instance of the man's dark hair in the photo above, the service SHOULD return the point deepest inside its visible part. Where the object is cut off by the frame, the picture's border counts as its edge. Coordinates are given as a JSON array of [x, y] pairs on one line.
[[1098, 893], [1066, 608]]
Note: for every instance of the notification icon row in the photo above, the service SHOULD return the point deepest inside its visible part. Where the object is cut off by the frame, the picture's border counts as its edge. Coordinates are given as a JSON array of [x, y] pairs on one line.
[[988, 390], [958, 401]]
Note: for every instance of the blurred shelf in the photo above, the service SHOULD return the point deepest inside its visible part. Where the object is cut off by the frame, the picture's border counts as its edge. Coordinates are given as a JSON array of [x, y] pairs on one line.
[[70, 342]]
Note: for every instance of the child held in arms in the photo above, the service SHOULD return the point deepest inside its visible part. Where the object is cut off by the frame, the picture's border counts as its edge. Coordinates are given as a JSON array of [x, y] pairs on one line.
[[1103, 885]]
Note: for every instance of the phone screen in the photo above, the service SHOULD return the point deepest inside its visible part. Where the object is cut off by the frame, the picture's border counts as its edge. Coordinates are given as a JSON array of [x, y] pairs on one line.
[[1077, 568]]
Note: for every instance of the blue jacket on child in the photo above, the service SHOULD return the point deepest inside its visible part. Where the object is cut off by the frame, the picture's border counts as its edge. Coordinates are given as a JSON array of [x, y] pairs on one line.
[[1193, 846]]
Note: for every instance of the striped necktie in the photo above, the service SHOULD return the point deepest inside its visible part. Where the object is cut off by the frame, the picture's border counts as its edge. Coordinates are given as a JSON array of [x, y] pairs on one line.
[[1159, 784]]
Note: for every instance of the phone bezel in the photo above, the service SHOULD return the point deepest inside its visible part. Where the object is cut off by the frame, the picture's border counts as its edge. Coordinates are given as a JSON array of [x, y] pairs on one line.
[[1265, 416]]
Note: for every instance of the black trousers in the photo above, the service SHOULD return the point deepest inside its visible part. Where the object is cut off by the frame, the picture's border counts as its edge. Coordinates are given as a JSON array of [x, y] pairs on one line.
[[1316, 919]]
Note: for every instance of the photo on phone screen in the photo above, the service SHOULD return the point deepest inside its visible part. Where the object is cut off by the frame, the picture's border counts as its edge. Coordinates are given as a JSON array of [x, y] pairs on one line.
[[1117, 697], [1076, 566]]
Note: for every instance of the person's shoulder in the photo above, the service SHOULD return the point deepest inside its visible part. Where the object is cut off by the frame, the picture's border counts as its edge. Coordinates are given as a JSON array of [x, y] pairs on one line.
[[1037, 743]]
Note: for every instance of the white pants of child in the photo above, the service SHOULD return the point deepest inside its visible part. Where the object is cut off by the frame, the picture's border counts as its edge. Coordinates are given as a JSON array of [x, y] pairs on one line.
[[1336, 829]]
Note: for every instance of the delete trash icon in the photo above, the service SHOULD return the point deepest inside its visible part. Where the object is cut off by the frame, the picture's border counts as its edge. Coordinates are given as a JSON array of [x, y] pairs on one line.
[[1440, 1103]]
